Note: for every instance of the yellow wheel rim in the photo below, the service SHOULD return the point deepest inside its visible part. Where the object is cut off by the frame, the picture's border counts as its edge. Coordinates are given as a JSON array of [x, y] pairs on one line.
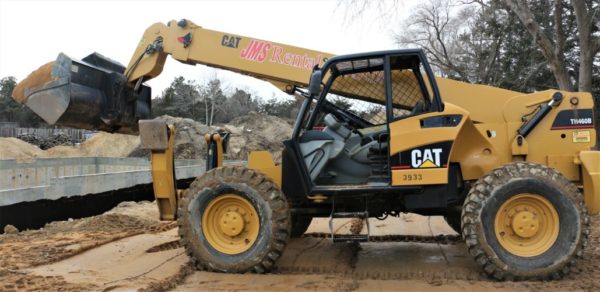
[[527, 225], [230, 224]]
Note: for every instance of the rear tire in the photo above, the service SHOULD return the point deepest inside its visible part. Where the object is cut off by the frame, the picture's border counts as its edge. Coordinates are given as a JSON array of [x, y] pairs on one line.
[[300, 224], [525, 221], [234, 192]]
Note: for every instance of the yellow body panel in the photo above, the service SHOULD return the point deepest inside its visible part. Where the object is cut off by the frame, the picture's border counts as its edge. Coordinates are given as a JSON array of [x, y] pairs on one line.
[[590, 161], [263, 162], [544, 142], [483, 102], [475, 152], [555, 148], [407, 133], [566, 165]]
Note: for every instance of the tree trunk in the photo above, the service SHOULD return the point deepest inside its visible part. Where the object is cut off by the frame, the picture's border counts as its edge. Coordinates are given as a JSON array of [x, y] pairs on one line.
[[554, 54], [212, 111], [588, 44], [206, 111]]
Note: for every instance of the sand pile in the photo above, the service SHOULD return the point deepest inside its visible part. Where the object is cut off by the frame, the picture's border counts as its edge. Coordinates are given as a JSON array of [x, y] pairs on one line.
[[144, 210], [101, 144], [13, 148]]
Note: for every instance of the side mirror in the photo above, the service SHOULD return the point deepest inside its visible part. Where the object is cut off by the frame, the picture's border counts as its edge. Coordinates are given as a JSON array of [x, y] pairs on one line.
[[314, 87]]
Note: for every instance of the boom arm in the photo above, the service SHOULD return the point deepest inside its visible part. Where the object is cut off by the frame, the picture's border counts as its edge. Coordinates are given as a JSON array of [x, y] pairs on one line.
[[282, 65]]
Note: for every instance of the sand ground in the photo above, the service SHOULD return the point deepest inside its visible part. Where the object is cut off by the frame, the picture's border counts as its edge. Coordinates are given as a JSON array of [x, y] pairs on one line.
[[127, 248]]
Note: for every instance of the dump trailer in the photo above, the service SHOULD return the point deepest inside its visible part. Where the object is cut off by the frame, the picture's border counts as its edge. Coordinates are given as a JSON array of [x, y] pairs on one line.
[[516, 174]]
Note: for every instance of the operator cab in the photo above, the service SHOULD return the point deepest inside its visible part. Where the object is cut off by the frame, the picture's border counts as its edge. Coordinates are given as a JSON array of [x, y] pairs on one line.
[[342, 132]]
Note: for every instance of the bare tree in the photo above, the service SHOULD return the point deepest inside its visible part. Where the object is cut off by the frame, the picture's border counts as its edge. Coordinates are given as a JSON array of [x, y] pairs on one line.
[[552, 45], [213, 96], [431, 27], [451, 34], [553, 51], [587, 16], [566, 35]]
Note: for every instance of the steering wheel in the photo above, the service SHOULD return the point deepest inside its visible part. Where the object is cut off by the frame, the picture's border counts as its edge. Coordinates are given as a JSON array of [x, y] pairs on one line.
[[359, 133], [335, 124]]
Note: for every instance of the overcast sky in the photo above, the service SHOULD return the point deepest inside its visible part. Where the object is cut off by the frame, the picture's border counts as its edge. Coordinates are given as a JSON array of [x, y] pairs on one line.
[[32, 33]]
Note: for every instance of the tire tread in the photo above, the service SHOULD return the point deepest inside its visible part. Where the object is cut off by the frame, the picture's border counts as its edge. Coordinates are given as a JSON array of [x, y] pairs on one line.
[[267, 189], [480, 193]]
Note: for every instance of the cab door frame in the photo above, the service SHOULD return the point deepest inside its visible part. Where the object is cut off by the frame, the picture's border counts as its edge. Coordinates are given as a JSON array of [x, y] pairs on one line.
[[295, 180], [420, 145]]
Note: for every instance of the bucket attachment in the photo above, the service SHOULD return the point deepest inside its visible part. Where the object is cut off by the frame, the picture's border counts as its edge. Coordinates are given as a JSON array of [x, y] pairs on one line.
[[89, 94]]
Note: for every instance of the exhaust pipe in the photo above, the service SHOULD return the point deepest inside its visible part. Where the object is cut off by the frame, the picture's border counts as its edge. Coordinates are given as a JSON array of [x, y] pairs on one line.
[[89, 94]]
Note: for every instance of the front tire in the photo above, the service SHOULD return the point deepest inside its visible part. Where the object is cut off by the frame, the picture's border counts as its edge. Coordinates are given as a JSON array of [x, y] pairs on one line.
[[525, 221], [234, 220]]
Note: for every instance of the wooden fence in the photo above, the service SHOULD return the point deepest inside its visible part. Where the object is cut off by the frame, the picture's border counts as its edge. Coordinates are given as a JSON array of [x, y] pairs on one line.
[[77, 135]]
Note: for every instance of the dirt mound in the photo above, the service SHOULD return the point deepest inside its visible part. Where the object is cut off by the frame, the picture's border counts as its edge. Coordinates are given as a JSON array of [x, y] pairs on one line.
[[189, 138], [257, 132], [248, 133]]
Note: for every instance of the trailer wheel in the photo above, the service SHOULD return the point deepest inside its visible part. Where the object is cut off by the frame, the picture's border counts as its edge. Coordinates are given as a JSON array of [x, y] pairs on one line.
[[300, 224], [234, 220], [525, 221]]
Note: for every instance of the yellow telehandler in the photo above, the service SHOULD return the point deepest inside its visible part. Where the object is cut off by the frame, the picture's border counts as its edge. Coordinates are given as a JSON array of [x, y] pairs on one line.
[[516, 174]]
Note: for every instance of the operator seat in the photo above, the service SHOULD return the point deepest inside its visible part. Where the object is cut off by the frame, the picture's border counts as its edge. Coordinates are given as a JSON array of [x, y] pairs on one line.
[[320, 147]]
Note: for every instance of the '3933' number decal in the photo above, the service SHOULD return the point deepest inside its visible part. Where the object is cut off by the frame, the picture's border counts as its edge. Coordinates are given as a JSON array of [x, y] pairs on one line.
[[412, 177]]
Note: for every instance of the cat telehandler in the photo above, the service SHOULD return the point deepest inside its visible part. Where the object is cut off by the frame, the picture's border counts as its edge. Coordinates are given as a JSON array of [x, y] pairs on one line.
[[516, 174]]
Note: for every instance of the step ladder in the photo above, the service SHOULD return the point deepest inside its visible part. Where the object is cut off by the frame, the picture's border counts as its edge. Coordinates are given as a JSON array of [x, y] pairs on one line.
[[348, 237]]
